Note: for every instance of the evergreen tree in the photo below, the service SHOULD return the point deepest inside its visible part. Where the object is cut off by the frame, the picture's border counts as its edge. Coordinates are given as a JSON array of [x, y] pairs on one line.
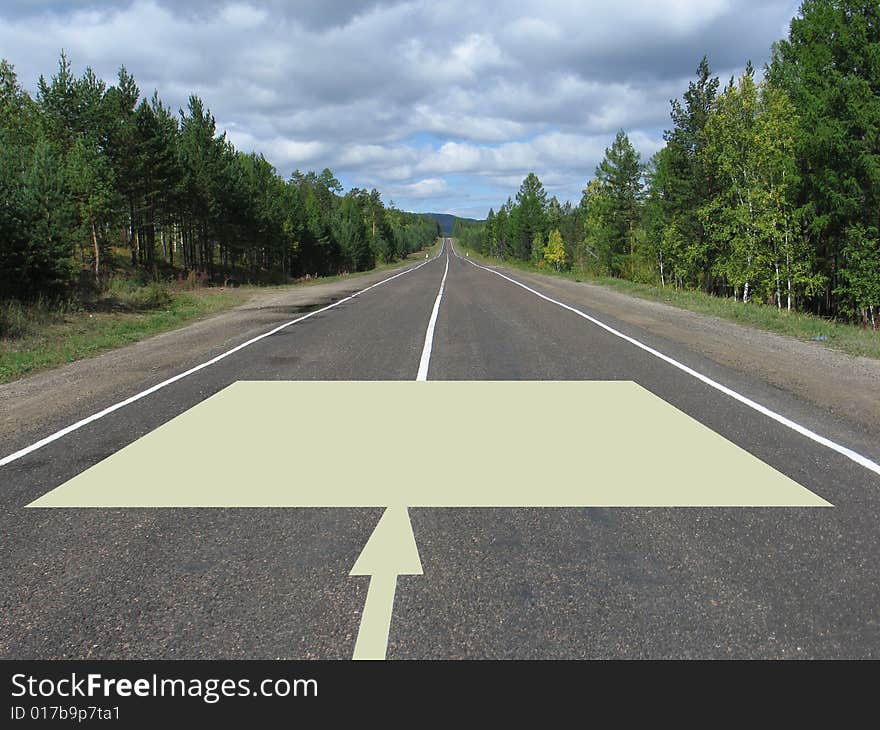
[[529, 217], [18, 113], [85, 167], [59, 105], [49, 221], [18, 132], [123, 150], [620, 177], [595, 211], [859, 285], [828, 66], [92, 192], [491, 234], [687, 182]]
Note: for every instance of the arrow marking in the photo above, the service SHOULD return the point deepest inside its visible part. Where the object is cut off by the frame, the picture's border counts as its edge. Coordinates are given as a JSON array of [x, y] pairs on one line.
[[252, 420], [390, 551]]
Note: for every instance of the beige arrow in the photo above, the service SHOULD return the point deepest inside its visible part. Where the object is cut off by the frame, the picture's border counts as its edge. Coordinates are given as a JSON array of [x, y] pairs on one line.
[[252, 424], [390, 551]]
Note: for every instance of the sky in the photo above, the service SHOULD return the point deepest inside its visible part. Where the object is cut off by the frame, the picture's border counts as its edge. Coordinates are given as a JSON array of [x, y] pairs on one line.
[[441, 106]]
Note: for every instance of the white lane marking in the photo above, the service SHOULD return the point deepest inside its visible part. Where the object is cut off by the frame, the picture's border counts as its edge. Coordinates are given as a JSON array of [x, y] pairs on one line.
[[425, 362], [787, 422], [149, 391]]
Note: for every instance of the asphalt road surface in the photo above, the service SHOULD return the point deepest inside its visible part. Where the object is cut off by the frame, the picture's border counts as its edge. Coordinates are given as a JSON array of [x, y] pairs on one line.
[[497, 583]]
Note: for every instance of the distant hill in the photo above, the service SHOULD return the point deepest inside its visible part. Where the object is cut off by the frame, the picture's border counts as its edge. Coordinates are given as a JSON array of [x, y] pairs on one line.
[[447, 221]]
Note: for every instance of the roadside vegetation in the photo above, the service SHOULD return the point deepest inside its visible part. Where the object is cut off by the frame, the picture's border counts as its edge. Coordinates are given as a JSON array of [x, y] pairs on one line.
[[804, 326], [763, 206], [42, 334], [121, 218], [87, 169]]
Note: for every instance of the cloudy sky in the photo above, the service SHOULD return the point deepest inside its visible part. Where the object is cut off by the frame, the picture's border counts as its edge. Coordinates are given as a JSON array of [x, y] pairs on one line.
[[442, 106]]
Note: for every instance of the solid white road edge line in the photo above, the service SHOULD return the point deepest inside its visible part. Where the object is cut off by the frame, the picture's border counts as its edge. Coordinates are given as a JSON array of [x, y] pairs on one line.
[[425, 362], [149, 391], [787, 422]]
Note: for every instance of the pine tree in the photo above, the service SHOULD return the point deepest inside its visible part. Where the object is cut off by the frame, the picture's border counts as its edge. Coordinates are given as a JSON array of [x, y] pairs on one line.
[[91, 185], [687, 182], [58, 101], [84, 163], [595, 205], [491, 234], [620, 176], [19, 129], [529, 218], [49, 223], [18, 113], [828, 66], [123, 150]]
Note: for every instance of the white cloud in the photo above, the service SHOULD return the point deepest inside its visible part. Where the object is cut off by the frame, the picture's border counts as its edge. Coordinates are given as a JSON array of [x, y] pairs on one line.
[[438, 104], [432, 187]]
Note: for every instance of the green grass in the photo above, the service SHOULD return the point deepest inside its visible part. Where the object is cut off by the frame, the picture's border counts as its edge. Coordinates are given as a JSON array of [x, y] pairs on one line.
[[841, 336], [46, 337]]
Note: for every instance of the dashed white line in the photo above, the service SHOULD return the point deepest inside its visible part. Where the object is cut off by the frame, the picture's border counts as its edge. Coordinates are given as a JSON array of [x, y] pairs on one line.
[[425, 362], [859, 459], [159, 386]]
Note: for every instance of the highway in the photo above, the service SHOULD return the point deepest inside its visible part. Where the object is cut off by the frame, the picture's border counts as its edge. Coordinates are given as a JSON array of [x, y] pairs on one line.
[[510, 583]]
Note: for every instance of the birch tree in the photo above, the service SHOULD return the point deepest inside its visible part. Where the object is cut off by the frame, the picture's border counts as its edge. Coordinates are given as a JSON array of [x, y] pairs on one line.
[[731, 215]]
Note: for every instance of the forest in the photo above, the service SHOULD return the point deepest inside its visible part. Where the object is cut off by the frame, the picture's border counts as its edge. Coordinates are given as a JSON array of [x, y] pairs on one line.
[[98, 181], [767, 188]]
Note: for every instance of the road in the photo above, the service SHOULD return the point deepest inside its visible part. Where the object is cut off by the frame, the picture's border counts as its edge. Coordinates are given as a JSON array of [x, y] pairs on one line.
[[587, 582]]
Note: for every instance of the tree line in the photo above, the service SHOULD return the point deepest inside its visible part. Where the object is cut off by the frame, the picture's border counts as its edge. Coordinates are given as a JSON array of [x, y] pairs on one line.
[[89, 169], [767, 189]]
